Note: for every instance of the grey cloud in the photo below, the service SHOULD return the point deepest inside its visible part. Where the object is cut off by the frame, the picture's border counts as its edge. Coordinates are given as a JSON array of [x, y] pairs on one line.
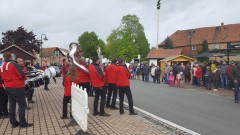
[[63, 21]]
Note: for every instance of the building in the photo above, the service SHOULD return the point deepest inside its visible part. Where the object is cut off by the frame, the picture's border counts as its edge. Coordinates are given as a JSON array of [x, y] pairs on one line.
[[54, 55], [218, 37], [19, 53], [155, 56]]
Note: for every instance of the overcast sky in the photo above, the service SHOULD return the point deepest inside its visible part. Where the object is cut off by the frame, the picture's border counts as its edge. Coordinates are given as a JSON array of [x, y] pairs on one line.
[[64, 21]]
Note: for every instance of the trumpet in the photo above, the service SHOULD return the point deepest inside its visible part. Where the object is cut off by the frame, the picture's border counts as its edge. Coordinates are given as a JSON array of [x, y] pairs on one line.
[[73, 47]]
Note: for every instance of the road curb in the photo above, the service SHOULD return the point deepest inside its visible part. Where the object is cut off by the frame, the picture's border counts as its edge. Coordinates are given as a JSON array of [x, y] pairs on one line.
[[164, 122]]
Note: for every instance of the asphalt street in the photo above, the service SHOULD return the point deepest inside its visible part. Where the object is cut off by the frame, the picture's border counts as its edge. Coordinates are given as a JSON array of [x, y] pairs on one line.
[[201, 112]]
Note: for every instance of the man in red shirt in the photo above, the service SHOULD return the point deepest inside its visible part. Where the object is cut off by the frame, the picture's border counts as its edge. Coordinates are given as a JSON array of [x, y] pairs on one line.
[[97, 80], [111, 80], [123, 84], [84, 78], [13, 78]]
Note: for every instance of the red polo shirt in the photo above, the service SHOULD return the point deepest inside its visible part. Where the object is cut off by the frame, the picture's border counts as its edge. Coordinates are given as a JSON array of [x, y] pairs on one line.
[[110, 74], [122, 76], [95, 77], [12, 75]]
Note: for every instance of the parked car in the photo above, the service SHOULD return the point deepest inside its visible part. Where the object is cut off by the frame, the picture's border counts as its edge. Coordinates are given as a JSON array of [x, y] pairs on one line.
[[58, 72]]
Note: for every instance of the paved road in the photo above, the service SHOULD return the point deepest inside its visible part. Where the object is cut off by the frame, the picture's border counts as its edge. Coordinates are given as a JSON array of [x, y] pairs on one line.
[[200, 112]]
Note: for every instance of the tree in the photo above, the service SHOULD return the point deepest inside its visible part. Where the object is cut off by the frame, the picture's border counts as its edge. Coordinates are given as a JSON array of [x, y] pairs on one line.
[[130, 34], [168, 44], [204, 46], [21, 38], [204, 49], [89, 43]]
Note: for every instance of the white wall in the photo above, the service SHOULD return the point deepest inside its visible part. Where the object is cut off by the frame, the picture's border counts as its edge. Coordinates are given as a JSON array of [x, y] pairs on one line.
[[152, 60]]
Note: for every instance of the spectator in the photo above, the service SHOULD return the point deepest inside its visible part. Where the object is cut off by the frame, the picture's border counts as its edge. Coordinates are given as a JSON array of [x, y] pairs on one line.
[[166, 73], [194, 69], [229, 69], [208, 78], [213, 66], [138, 72], [146, 72], [187, 73], [171, 79], [204, 69], [134, 70], [224, 75], [216, 74], [178, 79], [142, 67], [37, 66], [158, 73], [153, 69], [235, 74], [198, 75]]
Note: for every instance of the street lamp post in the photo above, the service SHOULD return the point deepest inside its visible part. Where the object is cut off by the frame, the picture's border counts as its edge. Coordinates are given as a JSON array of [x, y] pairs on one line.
[[158, 10], [45, 38]]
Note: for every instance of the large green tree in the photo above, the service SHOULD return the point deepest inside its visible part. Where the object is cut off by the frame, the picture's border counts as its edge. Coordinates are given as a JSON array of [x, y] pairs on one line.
[[168, 44], [21, 38], [89, 43], [130, 38]]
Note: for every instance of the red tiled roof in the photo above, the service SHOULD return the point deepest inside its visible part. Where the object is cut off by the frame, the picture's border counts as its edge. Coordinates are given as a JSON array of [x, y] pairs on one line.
[[163, 53], [216, 34]]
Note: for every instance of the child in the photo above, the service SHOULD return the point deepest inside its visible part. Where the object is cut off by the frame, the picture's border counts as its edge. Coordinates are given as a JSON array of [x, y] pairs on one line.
[[171, 79], [208, 77], [178, 79], [71, 76]]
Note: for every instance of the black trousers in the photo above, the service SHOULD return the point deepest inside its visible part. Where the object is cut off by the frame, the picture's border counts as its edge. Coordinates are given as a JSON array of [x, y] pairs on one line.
[[158, 78], [17, 95], [99, 92], [46, 82], [3, 102], [154, 78], [126, 90], [112, 92], [187, 78], [86, 86], [29, 94], [143, 77], [54, 79], [66, 99]]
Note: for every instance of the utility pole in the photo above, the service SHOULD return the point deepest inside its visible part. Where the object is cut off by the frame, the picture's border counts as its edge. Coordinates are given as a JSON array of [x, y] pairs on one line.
[[158, 12]]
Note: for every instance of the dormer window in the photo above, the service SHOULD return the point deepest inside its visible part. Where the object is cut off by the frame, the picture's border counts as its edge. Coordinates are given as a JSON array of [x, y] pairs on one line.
[[56, 53]]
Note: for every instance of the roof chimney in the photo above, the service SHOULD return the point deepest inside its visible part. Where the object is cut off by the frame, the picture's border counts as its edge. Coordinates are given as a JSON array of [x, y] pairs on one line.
[[222, 27]]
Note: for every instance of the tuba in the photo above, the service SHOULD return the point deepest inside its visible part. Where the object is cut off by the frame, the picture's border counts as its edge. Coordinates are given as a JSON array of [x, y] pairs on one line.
[[73, 47]]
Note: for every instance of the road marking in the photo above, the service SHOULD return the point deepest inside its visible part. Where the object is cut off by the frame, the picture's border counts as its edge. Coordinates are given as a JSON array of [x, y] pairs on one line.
[[163, 120]]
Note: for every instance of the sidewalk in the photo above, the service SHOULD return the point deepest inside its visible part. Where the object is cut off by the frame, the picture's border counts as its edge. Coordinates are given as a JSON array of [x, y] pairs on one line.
[[46, 111]]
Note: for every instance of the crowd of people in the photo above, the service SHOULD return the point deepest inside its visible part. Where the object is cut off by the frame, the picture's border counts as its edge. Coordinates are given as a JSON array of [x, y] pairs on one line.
[[111, 81], [213, 75]]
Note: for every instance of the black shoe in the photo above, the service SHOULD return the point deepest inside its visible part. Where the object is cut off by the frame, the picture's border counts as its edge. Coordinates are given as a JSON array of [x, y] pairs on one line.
[[236, 101], [133, 113], [28, 108], [107, 106], [15, 125], [95, 114], [121, 113], [64, 117], [31, 102], [105, 114], [114, 108], [26, 125], [46, 89]]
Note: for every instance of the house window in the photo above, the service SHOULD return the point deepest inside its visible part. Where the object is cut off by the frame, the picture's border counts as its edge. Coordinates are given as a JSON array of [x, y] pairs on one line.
[[194, 47], [217, 46], [56, 53]]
